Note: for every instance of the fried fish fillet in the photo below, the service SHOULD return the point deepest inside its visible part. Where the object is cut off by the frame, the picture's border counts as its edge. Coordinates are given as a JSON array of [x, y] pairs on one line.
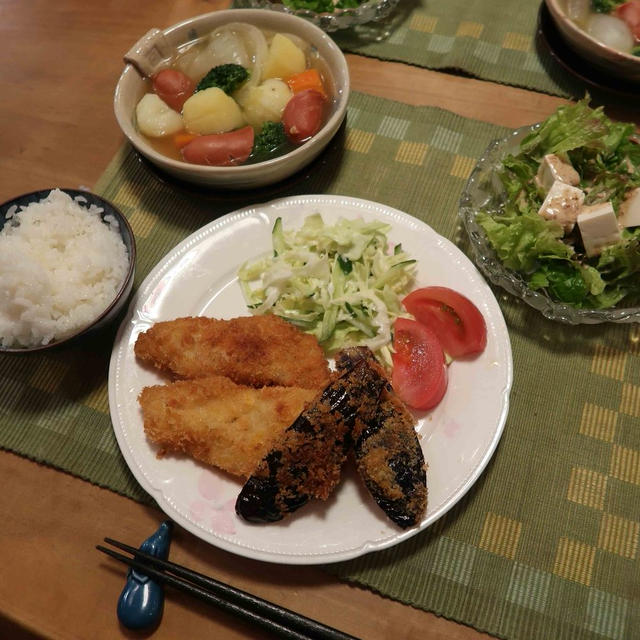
[[218, 422], [254, 350]]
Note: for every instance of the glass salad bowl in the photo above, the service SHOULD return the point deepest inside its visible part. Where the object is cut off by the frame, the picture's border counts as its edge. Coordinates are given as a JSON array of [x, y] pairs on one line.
[[368, 11], [484, 192]]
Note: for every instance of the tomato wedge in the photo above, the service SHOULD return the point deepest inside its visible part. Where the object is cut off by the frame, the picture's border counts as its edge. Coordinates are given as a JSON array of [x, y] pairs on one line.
[[419, 372], [454, 318]]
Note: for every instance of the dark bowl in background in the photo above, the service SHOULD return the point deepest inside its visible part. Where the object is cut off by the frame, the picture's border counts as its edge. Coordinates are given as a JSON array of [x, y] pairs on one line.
[[126, 233]]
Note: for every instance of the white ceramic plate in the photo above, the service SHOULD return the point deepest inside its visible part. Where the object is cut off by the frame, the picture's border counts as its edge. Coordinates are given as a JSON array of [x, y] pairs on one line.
[[198, 277]]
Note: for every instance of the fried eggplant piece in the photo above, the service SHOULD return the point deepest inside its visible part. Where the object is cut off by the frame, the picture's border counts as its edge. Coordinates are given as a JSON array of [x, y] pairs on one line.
[[253, 350], [390, 461], [218, 422], [307, 461], [388, 454]]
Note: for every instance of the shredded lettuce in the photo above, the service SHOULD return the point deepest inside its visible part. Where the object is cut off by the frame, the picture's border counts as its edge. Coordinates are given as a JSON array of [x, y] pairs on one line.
[[606, 155], [342, 283]]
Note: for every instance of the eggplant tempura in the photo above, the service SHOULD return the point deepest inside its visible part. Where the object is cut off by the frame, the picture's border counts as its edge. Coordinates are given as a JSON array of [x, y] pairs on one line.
[[360, 410], [307, 460], [388, 454]]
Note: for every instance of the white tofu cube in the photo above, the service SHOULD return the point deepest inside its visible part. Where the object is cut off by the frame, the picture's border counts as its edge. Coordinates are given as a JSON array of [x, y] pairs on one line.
[[598, 227], [562, 204], [629, 215], [552, 168]]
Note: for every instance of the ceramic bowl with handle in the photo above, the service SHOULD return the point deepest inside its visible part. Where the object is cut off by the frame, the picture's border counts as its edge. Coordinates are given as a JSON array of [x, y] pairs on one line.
[[154, 52]]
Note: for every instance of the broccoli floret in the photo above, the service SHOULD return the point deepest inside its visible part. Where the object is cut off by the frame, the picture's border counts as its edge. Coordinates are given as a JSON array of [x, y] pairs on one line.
[[271, 138], [227, 77], [605, 6], [636, 51]]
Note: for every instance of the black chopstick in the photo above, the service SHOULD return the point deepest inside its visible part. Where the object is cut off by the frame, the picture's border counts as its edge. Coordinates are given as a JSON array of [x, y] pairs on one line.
[[279, 620]]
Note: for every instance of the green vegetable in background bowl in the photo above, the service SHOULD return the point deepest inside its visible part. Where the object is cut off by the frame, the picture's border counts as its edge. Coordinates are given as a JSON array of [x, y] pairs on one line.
[[271, 140], [568, 221], [227, 77], [330, 15], [322, 5]]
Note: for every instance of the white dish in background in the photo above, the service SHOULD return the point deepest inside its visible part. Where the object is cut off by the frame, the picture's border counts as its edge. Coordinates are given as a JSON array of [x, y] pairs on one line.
[[198, 277], [624, 66]]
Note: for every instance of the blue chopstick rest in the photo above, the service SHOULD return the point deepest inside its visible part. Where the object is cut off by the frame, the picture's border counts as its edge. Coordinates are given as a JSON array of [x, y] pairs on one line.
[[141, 602]]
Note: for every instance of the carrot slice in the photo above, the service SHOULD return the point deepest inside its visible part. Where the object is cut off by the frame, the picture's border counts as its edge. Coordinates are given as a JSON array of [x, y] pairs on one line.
[[308, 79], [183, 139]]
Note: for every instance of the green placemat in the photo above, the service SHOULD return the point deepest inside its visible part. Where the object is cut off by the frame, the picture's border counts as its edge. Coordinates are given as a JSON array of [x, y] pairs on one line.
[[488, 39], [493, 40], [545, 545]]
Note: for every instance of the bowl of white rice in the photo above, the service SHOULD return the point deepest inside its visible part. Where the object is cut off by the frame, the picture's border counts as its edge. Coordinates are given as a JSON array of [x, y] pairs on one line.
[[67, 261]]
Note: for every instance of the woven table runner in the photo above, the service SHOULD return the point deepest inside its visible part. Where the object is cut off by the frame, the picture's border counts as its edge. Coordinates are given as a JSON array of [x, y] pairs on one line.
[[545, 544], [493, 40]]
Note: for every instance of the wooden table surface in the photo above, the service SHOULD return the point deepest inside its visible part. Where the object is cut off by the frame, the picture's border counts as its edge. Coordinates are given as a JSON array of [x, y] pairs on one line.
[[59, 62]]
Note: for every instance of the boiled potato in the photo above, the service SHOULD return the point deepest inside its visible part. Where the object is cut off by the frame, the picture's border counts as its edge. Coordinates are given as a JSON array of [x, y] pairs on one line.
[[265, 102], [284, 59], [211, 111], [155, 118]]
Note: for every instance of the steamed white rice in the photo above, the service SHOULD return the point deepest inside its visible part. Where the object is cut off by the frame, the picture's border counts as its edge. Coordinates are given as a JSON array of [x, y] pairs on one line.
[[60, 268]]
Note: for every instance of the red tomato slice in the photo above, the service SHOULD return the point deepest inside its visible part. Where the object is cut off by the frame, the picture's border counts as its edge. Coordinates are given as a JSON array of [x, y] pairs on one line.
[[173, 87], [630, 13], [220, 149], [419, 372], [303, 115], [455, 319]]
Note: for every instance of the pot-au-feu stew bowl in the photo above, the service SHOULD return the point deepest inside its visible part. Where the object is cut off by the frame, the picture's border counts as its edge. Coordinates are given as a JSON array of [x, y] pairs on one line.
[[269, 44]]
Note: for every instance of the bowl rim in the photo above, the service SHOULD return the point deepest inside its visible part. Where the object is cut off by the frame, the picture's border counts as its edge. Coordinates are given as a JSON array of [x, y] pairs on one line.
[[558, 12], [123, 222], [342, 11], [229, 15], [485, 256]]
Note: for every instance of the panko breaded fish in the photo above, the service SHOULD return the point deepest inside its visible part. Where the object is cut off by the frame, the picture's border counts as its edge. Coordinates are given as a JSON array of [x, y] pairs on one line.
[[254, 350], [388, 454], [218, 422], [306, 460]]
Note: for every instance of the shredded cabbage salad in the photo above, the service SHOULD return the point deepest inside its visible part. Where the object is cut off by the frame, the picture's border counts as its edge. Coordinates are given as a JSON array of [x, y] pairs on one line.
[[343, 283], [606, 155]]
